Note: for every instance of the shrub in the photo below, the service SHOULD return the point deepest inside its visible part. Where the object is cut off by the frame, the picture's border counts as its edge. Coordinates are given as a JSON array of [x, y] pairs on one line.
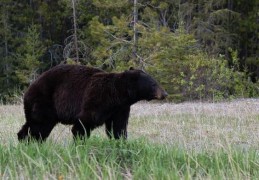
[[201, 77]]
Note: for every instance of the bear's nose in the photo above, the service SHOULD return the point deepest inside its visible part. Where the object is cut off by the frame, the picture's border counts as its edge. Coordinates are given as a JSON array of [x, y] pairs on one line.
[[165, 94]]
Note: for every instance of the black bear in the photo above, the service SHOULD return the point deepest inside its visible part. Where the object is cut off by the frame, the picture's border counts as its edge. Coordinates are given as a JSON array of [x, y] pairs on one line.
[[85, 98]]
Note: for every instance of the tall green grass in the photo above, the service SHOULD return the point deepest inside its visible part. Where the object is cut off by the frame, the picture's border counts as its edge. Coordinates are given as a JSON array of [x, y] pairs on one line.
[[100, 158]]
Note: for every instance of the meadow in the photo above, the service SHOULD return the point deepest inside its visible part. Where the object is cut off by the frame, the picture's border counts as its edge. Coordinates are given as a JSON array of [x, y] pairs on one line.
[[191, 140]]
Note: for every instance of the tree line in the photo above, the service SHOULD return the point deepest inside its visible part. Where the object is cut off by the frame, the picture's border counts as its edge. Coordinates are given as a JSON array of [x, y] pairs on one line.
[[197, 49]]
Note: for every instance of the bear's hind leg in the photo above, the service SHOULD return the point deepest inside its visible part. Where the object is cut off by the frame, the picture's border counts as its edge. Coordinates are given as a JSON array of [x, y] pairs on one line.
[[41, 118], [37, 131], [24, 132]]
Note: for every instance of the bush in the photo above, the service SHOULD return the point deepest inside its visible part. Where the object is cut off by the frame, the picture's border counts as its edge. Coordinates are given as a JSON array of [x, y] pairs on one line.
[[14, 96], [199, 77]]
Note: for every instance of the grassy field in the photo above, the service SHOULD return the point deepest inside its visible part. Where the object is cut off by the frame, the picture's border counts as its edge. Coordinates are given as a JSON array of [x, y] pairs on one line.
[[166, 141]]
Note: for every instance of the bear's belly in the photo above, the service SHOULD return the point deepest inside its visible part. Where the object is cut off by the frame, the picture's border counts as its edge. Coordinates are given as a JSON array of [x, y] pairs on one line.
[[101, 117], [68, 121], [96, 118]]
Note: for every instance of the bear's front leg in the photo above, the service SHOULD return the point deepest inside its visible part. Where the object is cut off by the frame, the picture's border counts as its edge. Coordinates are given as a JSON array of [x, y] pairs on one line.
[[117, 124], [79, 130], [84, 124]]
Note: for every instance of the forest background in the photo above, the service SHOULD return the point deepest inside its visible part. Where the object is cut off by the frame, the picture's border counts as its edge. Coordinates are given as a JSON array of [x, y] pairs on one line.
[[197, 49]]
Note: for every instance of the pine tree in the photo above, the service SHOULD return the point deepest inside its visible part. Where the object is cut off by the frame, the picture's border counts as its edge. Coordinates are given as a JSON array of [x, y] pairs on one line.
[[211, 22], [7, 42], [29, 56]]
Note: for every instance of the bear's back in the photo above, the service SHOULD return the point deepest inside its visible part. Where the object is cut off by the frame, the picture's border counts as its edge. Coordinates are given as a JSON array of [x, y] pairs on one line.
[[62, 87], [62, 76]]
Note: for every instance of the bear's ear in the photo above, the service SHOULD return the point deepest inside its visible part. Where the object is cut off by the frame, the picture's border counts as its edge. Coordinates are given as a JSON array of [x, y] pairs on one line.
[[131, 68]]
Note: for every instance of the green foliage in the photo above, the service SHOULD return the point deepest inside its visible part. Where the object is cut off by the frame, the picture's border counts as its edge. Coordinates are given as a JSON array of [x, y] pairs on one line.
[[203, 78], [110, 4], [211, 23], [29, 56], [20, 70], [188, 74], [114, 49]]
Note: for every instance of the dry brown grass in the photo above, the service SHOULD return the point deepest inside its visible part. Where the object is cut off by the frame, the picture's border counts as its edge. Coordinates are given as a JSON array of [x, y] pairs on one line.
[[192, 125], [199, 125]]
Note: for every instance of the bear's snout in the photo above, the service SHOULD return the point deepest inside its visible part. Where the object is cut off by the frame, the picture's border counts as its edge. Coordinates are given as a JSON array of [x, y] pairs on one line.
[[161, 94]]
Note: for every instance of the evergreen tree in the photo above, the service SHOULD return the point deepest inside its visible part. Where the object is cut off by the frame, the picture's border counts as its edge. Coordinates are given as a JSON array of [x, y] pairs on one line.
[[212, 22], [29, 57], [5, 48], [247, 31]]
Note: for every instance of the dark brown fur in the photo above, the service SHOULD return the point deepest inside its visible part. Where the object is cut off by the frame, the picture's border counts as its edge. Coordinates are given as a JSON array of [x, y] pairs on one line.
[[86, 98]]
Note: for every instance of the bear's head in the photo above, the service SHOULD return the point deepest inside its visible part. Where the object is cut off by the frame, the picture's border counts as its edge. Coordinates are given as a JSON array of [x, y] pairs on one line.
[[142, 86]]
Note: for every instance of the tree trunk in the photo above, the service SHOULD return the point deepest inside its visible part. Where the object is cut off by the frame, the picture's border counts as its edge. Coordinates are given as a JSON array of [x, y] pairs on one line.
[[135, 19], [75, 31], [6, 53]]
